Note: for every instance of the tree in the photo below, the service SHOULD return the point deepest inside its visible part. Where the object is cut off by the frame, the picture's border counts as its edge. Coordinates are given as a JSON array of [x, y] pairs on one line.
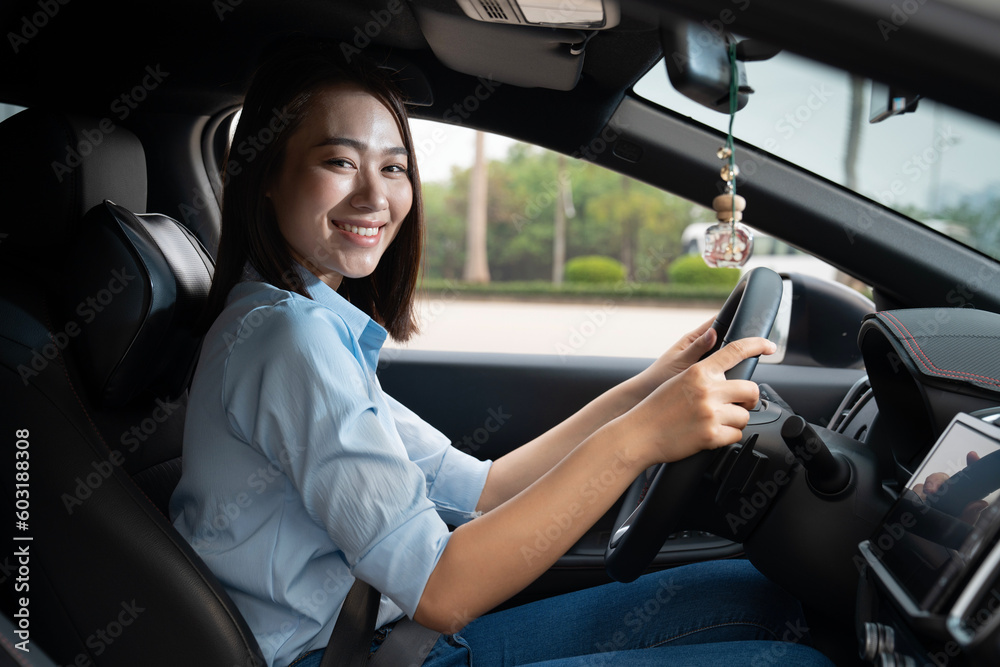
[[477, 269], [563, 208], [444, 216], [522, 198]]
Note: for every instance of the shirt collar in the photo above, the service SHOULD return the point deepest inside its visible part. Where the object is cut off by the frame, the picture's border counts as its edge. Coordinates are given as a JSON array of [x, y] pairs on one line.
[[357, 321], [369, 332]]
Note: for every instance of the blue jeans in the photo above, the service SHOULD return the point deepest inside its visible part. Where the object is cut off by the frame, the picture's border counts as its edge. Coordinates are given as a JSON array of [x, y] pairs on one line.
[[713, 614]]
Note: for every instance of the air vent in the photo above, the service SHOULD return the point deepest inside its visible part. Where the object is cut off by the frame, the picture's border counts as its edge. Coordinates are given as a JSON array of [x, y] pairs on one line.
[[493, 10], [857, 412]]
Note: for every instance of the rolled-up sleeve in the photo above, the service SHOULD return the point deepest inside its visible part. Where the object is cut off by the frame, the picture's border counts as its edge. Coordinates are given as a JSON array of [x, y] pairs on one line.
[[455, 479], [303, 395]]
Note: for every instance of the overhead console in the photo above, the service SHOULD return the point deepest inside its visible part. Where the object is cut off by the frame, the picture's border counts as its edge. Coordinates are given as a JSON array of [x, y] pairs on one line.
[[527, 43], [581, 14]]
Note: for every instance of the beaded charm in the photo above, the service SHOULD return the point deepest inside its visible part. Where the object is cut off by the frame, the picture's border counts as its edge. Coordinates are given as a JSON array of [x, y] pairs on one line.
[[729, 242]]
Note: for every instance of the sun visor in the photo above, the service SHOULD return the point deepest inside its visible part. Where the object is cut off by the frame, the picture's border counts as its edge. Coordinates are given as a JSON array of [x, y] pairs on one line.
[[525, 56]]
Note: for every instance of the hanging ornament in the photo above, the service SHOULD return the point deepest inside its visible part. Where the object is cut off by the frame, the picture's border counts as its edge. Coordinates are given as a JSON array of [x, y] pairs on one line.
[[729, 243]]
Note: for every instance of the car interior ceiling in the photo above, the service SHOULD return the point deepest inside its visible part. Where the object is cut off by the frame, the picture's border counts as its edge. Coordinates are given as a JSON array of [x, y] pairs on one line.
[[210, 67], [205, 71]]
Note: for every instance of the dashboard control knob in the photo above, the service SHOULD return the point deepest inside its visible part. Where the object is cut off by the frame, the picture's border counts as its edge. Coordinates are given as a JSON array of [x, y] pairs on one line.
[[879, 640], [896, 660]]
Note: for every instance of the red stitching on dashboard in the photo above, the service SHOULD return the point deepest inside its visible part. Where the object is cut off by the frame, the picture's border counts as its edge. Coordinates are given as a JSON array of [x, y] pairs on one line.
[[926, 361]]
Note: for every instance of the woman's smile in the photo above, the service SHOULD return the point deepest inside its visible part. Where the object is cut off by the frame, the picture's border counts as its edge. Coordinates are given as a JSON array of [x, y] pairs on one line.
[[361, 233]]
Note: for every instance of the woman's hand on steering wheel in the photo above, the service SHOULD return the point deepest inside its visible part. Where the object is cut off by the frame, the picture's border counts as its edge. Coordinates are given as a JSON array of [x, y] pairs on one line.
[[696, 411], [699, 408], [688, 350]]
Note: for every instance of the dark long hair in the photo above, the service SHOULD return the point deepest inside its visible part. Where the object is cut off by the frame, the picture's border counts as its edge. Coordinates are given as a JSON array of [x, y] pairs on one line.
[[276, 101]]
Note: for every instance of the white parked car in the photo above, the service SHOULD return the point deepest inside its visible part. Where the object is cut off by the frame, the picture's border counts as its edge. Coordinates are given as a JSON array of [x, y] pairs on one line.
[[767, 251]]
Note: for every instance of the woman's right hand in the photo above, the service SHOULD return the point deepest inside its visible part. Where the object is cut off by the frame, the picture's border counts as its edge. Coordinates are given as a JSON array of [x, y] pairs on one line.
[[699, 408]]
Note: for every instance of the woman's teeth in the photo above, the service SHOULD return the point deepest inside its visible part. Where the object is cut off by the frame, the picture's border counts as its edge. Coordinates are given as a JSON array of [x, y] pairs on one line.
[[360, 231]]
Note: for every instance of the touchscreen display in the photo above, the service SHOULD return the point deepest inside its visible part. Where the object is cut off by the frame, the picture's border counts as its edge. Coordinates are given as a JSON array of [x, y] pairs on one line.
[[945, 515]]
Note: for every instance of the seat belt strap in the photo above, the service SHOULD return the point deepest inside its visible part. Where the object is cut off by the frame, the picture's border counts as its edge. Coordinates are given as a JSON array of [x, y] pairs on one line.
[[351, 641], [406, 646]]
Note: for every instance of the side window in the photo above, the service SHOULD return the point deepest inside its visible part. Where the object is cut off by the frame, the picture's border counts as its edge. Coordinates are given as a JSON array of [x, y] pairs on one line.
[[8, 110], [542, 253]]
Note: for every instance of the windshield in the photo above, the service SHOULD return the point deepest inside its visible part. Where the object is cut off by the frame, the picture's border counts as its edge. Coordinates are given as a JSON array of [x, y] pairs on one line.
[[934, 165]]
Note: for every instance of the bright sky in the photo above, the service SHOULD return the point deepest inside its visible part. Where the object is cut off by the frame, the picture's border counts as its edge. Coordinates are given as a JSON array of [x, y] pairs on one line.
[[799, 112], [441, 146]]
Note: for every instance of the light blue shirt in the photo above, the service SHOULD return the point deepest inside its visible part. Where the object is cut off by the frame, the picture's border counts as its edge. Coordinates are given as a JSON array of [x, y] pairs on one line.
[[300, 473]]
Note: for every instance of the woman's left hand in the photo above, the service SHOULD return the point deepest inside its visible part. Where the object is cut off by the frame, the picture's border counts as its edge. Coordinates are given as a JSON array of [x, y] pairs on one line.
[[689, 349]]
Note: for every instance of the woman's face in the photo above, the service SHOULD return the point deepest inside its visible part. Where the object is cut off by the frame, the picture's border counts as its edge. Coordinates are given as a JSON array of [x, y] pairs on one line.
[[342, 191]]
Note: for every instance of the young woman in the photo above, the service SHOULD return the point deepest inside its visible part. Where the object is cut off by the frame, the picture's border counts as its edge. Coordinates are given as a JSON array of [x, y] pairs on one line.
[[300, 474]]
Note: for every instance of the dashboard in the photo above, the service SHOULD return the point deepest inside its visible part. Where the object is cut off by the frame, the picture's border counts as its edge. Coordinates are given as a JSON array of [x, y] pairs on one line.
[[930, 585], [929, 408]]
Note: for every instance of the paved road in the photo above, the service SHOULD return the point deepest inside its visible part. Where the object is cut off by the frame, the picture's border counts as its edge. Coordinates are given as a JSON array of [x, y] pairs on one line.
[[602, 329]]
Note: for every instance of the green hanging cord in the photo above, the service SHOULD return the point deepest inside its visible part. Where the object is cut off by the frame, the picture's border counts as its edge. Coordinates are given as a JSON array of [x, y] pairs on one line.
[[734, 91]]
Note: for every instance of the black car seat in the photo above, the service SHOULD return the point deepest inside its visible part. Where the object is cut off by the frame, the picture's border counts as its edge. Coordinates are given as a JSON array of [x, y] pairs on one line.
[[97, 306]]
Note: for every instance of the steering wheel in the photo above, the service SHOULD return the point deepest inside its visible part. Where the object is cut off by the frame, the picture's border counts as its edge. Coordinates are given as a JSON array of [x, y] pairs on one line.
[[749, 311]]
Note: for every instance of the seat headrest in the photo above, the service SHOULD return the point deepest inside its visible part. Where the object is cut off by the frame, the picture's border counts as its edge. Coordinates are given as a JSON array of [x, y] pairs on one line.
[[56, 167], [140, 283]]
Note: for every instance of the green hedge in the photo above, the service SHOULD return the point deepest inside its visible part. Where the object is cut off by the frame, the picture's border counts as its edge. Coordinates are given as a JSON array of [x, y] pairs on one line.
[[594, 269], [437, 288], [692, 270]]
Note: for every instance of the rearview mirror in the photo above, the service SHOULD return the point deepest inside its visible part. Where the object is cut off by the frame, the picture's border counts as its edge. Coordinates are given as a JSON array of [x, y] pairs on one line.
[[890, 101], [697, 60]]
